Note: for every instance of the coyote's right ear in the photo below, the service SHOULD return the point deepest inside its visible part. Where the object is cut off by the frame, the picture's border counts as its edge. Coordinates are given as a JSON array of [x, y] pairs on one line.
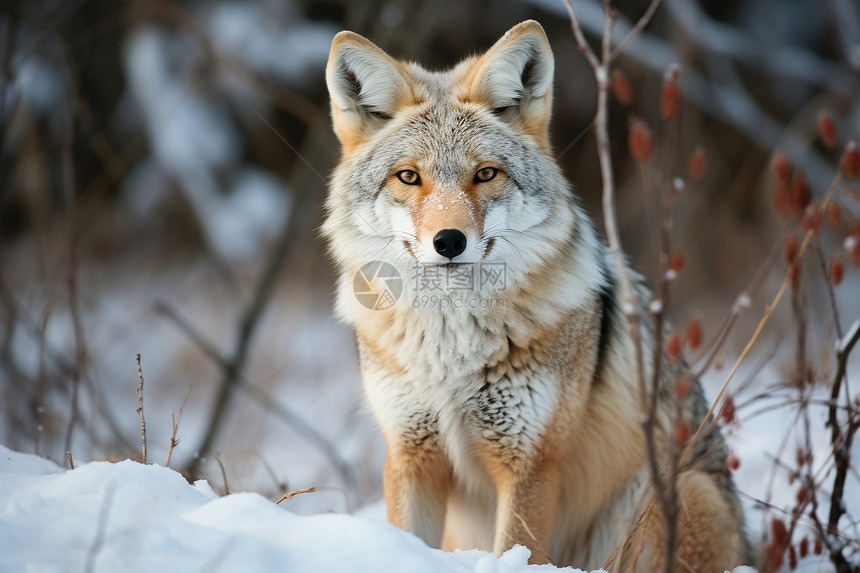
[[365, 86]]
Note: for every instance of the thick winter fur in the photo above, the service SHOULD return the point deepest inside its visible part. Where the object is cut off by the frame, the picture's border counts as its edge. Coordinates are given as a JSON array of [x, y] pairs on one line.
[[510, 411]]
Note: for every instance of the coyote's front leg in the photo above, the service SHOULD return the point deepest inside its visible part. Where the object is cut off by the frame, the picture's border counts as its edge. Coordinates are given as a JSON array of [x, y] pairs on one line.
[[527, 493], [417, 480]]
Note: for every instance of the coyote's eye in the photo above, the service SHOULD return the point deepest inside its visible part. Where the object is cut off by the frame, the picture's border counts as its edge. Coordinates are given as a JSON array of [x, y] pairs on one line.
[[409, 177], [485, 174]]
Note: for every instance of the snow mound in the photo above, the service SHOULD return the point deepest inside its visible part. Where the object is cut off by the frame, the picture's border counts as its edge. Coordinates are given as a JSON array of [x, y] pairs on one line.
[[129, 517]]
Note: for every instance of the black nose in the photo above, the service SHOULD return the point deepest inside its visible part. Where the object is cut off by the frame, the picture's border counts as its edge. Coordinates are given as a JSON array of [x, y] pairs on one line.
[[449, 242]]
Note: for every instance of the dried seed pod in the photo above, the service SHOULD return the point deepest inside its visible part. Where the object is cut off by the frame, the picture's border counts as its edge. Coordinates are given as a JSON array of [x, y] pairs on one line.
[[779, 533], [683, 386], [837, 270], [674, 346], [792, 558], [620, 85], [794, 273], [774, 556], [781, 168], [670, 95], [833, 214], [804, 547], [782, 199], [827, 129], [727, 410], [819, 546], [811, 220], [698, 164], [855, 254], [641, 141], [676, 262], [694, 333], [800, 194], [851, 244], [682, 433], [733, 463], [850, 164], [720, 360], [799, 458]]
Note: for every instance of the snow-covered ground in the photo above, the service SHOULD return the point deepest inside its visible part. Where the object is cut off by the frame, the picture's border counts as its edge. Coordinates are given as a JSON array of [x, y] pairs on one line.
[[126, 516], [129, 517]]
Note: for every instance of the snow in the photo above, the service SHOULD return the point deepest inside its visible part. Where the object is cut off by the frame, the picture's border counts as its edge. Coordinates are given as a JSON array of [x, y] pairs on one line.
[[127, 516]]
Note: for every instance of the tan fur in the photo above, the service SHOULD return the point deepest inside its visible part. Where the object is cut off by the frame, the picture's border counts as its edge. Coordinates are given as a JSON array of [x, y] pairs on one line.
[[707, 539], [516, 423]]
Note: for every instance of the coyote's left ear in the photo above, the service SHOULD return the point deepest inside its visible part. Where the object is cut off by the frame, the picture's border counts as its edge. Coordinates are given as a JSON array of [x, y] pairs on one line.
[[514, 79], [366, 88]]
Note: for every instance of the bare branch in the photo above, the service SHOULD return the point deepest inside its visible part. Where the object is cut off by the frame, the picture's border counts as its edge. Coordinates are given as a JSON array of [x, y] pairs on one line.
[[140, 410], [580, 37], [640, 25]]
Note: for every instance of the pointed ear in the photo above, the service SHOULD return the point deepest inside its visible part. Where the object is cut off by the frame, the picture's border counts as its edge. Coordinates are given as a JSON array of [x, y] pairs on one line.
[[366, 88], [514, 79]]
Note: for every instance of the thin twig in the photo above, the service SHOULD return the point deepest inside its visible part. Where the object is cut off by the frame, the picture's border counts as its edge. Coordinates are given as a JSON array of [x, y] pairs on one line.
[[630, 304], [317, 489], [841, 444], [831, 295], [764, 320], [174, 441], [70, 460], [223, 474], [140, 410], [292, 494], [640, 25], [233, 366]]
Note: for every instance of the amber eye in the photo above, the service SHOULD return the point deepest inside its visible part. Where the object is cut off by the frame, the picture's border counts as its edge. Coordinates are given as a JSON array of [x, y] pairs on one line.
[[485, 174], [409, 177]]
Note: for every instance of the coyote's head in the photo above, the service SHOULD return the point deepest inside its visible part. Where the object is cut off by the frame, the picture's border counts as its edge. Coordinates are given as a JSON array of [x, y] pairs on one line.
[[446, 167]]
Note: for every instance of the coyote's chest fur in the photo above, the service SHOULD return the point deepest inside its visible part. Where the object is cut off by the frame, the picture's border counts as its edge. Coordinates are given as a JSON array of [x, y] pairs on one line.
[[510, 410]]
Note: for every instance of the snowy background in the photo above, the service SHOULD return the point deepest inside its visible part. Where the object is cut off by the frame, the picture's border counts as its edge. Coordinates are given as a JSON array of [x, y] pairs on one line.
[[161, 174]]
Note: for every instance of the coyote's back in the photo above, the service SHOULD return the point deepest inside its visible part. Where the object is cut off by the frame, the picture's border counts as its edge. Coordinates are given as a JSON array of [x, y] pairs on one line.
[[484, 307]]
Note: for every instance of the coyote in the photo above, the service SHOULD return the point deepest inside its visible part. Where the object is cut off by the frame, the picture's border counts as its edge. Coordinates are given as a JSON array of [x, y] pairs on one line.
[[509, 407]]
